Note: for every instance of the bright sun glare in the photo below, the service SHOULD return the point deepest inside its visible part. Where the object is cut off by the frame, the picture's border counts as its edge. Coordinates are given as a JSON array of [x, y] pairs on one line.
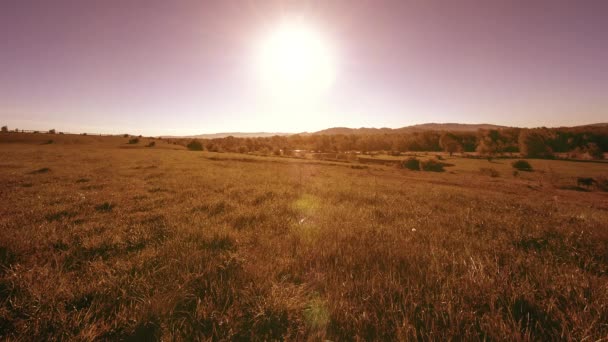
[[295, 61]]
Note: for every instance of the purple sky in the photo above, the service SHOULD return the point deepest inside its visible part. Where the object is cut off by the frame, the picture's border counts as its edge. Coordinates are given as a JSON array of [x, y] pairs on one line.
[[185, 67]]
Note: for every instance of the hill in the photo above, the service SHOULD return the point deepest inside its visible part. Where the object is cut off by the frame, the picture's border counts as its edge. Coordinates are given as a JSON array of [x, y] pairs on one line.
[[234, 134], [410, 129], [454, 127], [599, 124]]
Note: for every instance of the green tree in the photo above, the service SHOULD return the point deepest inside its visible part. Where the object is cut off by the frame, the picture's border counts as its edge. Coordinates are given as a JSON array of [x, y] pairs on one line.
[[449, 143], [594, 151], [534, 143]]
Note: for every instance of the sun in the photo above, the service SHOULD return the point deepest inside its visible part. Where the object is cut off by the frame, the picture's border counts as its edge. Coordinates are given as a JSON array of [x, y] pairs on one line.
[[295, 60]]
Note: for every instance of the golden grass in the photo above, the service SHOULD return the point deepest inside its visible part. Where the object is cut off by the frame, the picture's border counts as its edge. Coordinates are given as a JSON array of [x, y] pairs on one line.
[[150, 243]]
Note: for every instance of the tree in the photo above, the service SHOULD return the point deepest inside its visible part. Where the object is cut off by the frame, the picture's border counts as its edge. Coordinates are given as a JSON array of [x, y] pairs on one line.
[[533, 143], [4, 129], [449, 143], [52, 131], [489, 143], [594, 151]]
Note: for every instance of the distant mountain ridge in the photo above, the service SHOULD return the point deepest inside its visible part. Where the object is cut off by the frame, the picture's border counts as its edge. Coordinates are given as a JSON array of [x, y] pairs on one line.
[[414, 128], [454, 127], [237, 135]]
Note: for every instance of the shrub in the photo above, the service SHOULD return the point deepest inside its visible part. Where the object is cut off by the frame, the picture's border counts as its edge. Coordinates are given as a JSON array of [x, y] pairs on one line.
[[151, 144], [195, 145], [602, 183], [134, 141], [52, 131], [522, 165], [432, 165], [488, 171], [4, 129], [411, 163]]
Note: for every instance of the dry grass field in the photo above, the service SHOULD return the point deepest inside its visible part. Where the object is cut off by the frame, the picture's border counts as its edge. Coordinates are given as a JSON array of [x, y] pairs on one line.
[[100, 239]]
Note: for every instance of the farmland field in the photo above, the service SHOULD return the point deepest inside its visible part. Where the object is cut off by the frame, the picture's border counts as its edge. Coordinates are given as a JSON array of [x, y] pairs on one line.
[[100, 239]]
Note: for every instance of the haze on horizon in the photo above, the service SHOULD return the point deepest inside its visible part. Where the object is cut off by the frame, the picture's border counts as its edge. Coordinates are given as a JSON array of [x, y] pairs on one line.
[[191, 67]]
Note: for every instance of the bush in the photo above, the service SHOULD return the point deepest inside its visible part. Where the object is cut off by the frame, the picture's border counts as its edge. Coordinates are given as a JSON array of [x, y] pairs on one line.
[[151, 144], [52, 131], [522, 165], [195, 145], [432, 165], [411, 163], [4, 129], [488, 171], [602, 183], [134, 141]]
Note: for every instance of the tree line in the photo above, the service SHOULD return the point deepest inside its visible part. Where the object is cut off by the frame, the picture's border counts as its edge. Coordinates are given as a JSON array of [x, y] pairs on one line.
[[589, 142]]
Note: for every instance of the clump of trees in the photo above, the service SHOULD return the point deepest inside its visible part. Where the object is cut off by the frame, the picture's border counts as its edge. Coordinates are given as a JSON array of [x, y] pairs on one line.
[[589, 141], [4, 129], [450, 143], [134, 141], [535, 143]]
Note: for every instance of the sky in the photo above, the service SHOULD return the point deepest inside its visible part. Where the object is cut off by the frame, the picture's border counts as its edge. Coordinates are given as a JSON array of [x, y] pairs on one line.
[[190, 67]]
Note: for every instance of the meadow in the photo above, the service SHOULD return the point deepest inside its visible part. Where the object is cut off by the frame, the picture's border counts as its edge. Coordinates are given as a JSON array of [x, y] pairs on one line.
[[105, 240]]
